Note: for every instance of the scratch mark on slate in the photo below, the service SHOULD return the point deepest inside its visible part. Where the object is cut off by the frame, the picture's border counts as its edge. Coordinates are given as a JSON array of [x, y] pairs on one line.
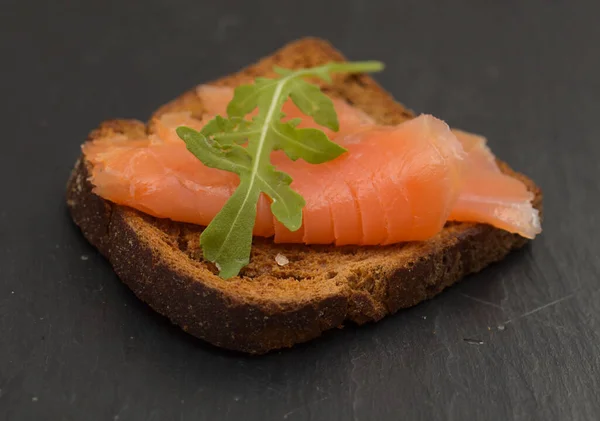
[[357, 384], [118, 415], [479, 300], [449, 360], [559, 328], [287, 414], [451, 406], [535, 310], [528, 387], [435, 351]]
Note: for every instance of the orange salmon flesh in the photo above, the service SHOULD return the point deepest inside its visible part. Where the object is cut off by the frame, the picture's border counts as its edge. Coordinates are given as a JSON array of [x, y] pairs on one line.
[[395, 183]]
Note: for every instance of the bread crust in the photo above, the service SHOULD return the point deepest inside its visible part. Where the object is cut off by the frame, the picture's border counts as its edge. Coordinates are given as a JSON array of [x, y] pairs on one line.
[[270, 306]]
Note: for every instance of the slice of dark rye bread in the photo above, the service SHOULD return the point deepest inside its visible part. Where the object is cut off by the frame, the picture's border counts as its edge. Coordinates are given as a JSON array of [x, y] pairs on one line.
[[271, 306]]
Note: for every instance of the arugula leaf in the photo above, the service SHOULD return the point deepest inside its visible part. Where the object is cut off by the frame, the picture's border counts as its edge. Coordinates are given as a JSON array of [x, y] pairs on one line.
[[227, 131], [311, 101], [312, 145], [228, 238]]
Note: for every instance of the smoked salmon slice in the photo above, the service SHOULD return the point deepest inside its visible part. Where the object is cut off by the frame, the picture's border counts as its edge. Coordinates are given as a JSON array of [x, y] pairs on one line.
[[395, 183], [490, 196]]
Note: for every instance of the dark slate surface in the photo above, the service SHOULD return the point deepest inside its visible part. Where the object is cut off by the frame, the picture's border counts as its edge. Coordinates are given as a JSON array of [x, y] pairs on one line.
[[75, 344]]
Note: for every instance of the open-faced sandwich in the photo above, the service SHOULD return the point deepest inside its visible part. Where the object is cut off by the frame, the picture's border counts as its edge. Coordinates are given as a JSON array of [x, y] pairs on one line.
[[262, 209]]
